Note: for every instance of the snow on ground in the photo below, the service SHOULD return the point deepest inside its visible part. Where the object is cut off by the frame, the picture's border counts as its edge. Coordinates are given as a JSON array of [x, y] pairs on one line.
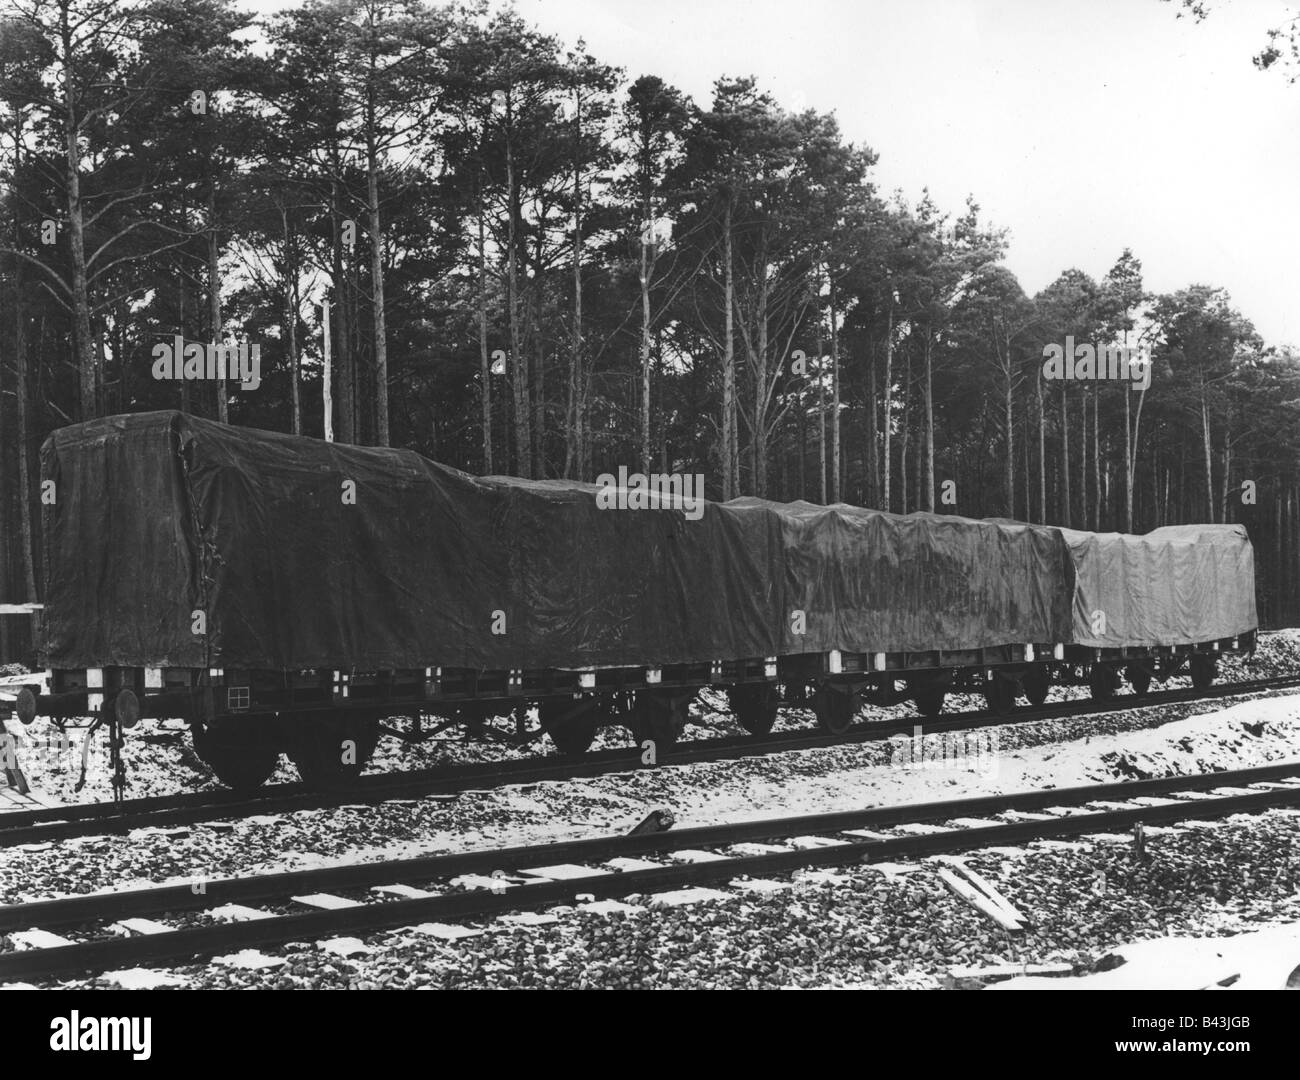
[[1267, 959]]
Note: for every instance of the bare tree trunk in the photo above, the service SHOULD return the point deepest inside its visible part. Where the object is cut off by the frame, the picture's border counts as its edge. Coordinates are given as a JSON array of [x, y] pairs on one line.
[[344, 357], [873, 451], [1162, 481], [21, 398], [535, 304], [292, 307], [1042, 446], [377, 288], [759, 433], [836, 471], [802, 413], [904, 437], [1128, 449], [214, 297], [1225, 514], [1209, 457], [21, 391], [1137, 441], [1128, 464], [327, 380], [1024, 469], [821, 416], [905, 431], [645, 360], [1065, 460], [1083, 458], [1278, 563], [83, 342], [647, 268], [1288, 531], [889, 397], [360, 379], [730, 443], [180, 319], [518, 362], [929, 422], [485, 364], [1096, 459], [573, 432], [1008, 416], [574, 403], [1183, 502]]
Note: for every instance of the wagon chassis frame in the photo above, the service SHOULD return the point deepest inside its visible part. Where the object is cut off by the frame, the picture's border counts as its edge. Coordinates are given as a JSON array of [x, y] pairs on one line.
[[215, 695]]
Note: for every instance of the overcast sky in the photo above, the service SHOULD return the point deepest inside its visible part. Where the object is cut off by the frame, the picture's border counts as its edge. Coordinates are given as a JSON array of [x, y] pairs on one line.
[[1082, 125]]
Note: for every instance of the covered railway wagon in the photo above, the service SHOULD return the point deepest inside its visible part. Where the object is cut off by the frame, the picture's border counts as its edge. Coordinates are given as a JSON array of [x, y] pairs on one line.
[[285, 594], [1147, 605]]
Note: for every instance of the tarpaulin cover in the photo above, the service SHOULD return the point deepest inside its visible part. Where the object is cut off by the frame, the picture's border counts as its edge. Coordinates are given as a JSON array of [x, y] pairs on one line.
[[160, 516], [1180, 585]]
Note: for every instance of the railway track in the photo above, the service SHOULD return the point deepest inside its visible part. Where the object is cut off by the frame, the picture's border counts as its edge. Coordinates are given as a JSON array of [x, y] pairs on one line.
[[421, 893], [63, 822]]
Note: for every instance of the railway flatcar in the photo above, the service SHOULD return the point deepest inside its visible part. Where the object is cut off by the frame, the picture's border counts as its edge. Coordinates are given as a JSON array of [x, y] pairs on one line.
[[283, 594]]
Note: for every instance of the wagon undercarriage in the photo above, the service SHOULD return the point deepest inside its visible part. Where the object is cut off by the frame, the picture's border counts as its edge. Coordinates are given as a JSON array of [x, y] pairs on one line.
[[329, 721]]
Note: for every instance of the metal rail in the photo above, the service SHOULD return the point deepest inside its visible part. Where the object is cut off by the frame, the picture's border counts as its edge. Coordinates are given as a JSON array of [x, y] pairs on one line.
[[209, 940]]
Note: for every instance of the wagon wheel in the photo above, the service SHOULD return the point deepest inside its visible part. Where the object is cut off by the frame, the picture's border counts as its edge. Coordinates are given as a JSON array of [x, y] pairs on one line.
[[1103, 681], [1204, 668], [330, 749], [835, 709], [240, 755], [999, 695], [1036, 683], [25, 706], [754, 705], [929, 699], [570, 724], [659, 716], [1139, 679]]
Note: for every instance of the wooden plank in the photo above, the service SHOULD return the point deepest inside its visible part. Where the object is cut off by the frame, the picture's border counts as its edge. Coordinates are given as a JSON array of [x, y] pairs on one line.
[[982, 884], [978, 901]]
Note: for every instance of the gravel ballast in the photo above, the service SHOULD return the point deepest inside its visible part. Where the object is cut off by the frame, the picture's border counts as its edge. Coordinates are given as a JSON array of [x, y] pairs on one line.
[[856, 927]]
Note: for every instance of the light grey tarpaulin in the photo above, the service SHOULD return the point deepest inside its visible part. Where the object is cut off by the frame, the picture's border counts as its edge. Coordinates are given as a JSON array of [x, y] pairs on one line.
[[1180, 585]]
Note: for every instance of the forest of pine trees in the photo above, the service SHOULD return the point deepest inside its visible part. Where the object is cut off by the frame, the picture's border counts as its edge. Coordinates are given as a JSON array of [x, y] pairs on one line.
[[538, 264]]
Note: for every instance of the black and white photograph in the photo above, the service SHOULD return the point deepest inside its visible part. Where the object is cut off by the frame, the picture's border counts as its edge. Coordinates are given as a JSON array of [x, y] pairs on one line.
[[605, 495]]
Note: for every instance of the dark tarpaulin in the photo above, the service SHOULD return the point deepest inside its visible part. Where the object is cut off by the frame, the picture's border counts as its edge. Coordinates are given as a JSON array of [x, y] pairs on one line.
[[160, 515], [878, 582]]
